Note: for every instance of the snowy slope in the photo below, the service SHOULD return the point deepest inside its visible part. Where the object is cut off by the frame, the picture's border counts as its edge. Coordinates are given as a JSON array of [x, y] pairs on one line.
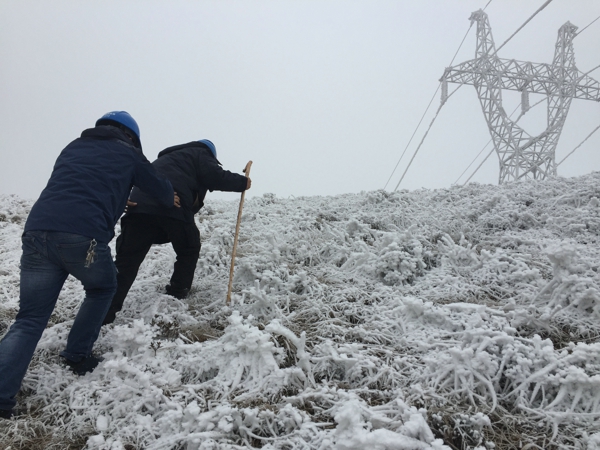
[[433, 319]]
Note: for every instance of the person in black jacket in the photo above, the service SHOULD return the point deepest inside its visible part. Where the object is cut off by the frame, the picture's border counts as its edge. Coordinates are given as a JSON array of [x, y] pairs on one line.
[[67, 233], [193, 169]]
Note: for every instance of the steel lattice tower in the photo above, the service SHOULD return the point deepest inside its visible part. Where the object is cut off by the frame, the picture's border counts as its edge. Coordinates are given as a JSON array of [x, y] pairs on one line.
[[521, 155]]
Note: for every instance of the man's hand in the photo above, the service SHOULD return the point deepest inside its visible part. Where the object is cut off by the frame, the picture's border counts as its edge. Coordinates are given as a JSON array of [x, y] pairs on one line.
[[176, 202], [129, 205], [249, 183]]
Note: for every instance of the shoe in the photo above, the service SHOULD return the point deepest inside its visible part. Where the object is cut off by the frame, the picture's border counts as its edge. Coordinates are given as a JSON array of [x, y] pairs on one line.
[[6, 414], [86, 365], [177, 293]]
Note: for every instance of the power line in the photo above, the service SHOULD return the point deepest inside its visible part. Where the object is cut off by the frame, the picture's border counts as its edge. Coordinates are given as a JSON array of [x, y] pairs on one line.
[[472, 162], [423, 139], [430, 102], [595, 129], [479, 166], [413, 135], [526, 22], [582, 142], [427, 109], [585, 28]]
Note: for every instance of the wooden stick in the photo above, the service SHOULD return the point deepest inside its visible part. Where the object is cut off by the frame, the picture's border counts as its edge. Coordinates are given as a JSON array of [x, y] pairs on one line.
[[237, 232]]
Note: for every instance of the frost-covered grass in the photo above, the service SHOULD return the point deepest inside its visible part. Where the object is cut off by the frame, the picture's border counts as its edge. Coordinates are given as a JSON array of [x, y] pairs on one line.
[[433, 319]]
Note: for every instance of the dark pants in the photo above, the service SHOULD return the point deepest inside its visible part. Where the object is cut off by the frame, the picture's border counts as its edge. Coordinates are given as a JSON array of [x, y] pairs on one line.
[[138, 233], [48, 258]]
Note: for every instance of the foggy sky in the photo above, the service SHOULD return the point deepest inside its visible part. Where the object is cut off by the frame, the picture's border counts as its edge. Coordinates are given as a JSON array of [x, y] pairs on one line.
[[322, 95]]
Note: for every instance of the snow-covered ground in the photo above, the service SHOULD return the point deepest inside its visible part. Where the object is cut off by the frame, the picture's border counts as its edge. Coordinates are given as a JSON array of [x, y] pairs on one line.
[[434, 319]]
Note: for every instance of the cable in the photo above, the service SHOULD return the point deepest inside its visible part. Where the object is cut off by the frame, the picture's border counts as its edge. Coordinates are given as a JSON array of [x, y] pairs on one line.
[[417, 150], [413, 135], [429, 105], [587, 26], [423, 139], [479, 166], [573, 151], [461, 43], [472, 162], [526, 22]]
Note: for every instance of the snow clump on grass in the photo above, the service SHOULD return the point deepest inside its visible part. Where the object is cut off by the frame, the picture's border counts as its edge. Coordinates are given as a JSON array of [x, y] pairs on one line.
[[451, 318]]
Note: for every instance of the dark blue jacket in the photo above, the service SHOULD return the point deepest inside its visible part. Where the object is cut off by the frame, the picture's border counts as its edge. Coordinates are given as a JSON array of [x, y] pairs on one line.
[[90, 183], [193, 170]]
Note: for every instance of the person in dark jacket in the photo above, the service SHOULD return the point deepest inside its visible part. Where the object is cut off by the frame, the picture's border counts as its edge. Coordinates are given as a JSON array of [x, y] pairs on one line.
[[67, 233], [193, 169]]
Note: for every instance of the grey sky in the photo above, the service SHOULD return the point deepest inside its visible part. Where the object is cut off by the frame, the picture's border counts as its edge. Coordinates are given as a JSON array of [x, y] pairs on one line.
[[322, 95]]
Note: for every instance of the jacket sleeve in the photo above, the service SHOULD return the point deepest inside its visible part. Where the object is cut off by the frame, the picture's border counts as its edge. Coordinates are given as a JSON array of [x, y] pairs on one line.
[[147, 179], [215, 178]]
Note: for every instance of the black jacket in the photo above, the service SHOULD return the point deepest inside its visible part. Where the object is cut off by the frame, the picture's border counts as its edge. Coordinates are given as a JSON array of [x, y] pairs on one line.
[[193, 170], [90, 182]]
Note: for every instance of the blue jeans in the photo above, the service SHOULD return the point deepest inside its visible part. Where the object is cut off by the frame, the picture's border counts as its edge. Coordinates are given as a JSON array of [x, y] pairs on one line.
[[48, 258]]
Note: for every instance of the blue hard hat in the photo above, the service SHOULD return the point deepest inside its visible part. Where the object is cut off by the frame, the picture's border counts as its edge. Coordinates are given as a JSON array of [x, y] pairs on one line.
[[210, 145], [120, 117]]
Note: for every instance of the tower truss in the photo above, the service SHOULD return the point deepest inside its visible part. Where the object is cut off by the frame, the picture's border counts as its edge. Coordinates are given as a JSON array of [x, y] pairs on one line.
[[521, 155]]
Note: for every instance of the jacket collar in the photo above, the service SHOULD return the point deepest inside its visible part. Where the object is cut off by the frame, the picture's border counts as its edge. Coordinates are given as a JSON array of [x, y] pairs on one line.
[[109, 132]]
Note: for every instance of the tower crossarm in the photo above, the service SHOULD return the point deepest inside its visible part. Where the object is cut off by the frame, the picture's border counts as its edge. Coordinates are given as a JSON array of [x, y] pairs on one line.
[[511, 74]]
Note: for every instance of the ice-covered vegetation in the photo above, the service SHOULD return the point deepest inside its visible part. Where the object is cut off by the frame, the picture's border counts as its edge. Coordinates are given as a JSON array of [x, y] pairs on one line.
[[434, 319]]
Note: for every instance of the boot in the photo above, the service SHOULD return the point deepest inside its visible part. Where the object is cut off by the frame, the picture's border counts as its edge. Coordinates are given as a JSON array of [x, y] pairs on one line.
[[86, 365], [177, 293]]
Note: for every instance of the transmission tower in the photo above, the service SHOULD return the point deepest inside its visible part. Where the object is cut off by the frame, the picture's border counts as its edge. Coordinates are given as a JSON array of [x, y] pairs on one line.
[[521, 155]]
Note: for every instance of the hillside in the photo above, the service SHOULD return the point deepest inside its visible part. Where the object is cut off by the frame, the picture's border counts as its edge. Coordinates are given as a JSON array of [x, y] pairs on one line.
[[432, 319]]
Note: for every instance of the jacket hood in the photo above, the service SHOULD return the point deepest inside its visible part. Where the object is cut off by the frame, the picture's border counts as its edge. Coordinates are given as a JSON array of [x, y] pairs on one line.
[[199, 145]]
